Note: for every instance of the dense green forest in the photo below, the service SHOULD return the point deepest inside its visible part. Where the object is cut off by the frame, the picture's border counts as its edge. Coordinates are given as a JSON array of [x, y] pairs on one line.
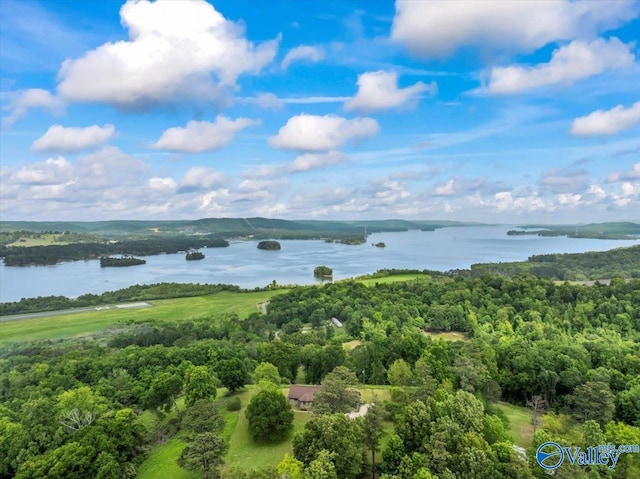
[[52, 254], [83, 407], [621, 230], [594, 265]]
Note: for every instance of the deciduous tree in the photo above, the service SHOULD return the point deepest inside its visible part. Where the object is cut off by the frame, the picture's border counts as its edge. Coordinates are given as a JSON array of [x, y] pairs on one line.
[[270, 416], [336, 434], [199, 383], [336, 394], [204, 454]]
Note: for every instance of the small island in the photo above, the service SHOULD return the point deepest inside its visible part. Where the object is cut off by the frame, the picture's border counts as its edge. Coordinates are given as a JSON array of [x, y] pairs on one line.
[[353, 240], [269, 245], [379, 245], [194, 255], [323, 272], [106, 261]]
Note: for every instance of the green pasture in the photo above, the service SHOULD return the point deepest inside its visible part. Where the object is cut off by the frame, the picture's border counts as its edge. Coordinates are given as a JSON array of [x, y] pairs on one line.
[[396, 278], [520, 427], [452, 336], [162, 462], [42, 239], [90, 322]]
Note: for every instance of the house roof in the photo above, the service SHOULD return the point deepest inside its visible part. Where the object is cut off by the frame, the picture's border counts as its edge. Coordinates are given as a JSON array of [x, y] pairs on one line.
[[303, 393]]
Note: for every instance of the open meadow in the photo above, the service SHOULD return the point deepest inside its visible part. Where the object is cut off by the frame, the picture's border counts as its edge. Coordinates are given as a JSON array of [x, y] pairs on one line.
[[165, 310]]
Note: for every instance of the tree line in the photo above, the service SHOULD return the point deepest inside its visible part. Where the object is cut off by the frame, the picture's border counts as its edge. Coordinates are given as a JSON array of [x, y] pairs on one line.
[[52, 254]]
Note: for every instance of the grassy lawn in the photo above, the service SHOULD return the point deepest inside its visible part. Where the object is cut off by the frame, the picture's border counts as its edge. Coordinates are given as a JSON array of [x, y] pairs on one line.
[[393, 278], [452, 336], [243, 452], [349, 345], [162, 462], [43, 239], [520, 428], [375, 394], [86, 323]]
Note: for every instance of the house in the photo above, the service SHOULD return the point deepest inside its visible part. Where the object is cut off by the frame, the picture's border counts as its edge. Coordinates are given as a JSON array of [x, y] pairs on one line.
[[302, 396], [337, 322]]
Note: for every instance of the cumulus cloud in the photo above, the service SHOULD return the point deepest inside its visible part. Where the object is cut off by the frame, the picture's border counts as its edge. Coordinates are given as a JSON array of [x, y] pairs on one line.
[[62, 139], [24, 100], [302, 53], [322, 133], [446, 189], [311, 161], [440, 27], [607, 122], [379, 91], [632, 175], [201, 178], [201, 136], [51, 171], [175, 50], [575, 61]]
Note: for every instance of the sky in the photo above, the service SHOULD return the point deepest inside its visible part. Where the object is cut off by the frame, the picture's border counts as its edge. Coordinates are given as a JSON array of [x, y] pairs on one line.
[[490, 111]]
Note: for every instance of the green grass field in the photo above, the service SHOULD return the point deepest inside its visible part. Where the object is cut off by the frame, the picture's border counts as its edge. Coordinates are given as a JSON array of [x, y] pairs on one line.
[[162, 462], [452, 336], [88, 323], [520, 428], [43, 239], [393, 278], [246, 454]]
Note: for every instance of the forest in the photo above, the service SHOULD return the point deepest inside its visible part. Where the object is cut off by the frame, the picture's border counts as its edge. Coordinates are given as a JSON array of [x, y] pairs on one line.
[[570, 353], [55, 253]]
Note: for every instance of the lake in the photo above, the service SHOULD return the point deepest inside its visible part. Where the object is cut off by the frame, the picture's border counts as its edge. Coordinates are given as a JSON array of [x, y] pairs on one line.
[[245, 265]]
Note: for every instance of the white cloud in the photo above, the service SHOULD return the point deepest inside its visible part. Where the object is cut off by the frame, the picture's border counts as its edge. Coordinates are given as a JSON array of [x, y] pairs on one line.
[[302, 53], [24, 100], [200, 178], [440, 27], [446, 189], [53, 170], [632, 175], [162, 184], [321, 133], [379, 91], [264, 100], [311, 161], [569, 63], [597, 192], [201, 136], [607, 122], [173, 50], [59, 138]]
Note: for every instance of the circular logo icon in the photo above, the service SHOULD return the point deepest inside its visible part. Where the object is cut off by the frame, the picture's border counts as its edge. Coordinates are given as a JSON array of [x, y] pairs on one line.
[[550, 455]]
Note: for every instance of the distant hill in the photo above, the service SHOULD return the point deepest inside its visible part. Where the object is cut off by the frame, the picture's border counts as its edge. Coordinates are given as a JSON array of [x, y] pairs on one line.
[[612, 230], [228, 226]]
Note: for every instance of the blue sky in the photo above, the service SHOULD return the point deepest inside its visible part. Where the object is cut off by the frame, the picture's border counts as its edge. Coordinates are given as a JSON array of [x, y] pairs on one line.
[[487, 111]]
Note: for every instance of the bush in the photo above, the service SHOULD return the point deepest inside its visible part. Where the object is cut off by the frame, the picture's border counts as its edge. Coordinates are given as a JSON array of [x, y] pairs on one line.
[[233, 404]]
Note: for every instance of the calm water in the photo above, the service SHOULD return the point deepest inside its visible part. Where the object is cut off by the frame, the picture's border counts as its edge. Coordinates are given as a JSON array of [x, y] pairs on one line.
[[245, 265]]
